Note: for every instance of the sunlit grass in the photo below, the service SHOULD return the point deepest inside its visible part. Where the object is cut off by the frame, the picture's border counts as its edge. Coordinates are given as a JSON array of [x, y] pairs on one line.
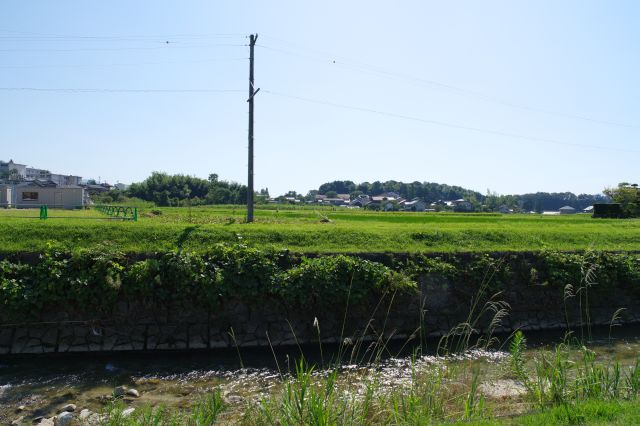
[[301, 230]]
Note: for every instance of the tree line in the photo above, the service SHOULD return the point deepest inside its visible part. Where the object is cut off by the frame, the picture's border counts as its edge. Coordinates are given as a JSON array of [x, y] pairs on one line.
[[178, 190], [431, 192]]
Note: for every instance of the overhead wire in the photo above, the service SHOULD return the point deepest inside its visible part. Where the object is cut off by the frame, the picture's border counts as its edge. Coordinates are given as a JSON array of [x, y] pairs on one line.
[[167, 45], [103, 65], [27, 36], [357, 66], [107, 90], [445, 124], [338, 105]]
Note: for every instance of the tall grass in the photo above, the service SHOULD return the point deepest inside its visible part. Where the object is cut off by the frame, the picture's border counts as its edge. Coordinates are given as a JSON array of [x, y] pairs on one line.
[[559, 380]]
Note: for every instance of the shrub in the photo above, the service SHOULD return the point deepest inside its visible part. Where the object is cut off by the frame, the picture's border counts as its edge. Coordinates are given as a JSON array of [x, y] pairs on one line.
[[330, 280]]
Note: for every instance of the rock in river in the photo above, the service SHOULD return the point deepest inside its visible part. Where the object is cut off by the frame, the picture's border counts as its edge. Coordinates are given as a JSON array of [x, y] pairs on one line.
[[68, 408], [63, 419], [119, 391]]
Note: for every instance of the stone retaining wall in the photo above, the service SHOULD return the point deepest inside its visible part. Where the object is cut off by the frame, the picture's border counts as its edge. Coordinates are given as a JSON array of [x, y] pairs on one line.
[[436, 309]]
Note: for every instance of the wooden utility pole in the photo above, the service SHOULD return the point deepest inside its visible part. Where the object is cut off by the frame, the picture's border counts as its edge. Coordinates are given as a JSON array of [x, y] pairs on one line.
[[252, 93]]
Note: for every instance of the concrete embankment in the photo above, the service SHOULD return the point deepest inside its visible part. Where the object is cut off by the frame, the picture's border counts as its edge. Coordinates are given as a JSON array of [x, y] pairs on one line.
[[444, 300]]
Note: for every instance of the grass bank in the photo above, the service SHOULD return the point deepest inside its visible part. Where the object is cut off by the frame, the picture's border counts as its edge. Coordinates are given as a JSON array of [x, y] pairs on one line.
[[315, 231]]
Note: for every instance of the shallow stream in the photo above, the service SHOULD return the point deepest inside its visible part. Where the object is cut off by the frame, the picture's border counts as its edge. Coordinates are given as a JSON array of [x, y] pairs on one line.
[[40, 385]]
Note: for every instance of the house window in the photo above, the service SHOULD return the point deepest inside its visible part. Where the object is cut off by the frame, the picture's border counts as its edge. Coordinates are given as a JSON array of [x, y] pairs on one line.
[[29, 196]]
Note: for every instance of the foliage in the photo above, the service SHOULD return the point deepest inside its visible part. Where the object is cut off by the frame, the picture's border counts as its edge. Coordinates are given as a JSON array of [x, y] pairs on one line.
[[427, 191], [628, 196], [330, 280], [91, 282], [179, 190]]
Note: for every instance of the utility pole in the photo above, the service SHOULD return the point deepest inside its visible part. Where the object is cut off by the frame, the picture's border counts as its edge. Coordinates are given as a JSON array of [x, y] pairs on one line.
[[252, 93]]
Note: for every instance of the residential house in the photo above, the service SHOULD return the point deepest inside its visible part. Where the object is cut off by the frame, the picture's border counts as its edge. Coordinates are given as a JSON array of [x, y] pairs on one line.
[[390, 195], [98, 188], [335, 201], [462, 205], [504, 209], [415, 205], [567, 210], [360, 201]]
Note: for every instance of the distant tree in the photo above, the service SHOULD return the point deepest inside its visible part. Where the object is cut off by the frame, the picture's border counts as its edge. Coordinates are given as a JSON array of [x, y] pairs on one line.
[[376, 188], [219, 195], [92, 182], [338, 186], [311, 195], [331, 194], [628, 196], [165, 190], [12, 175]]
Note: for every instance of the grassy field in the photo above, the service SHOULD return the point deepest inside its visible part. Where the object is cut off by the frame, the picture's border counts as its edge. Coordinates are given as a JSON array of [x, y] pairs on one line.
[[307, 230]]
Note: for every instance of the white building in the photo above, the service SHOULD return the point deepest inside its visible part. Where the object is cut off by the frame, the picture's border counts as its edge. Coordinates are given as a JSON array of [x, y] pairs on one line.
[[36, 194], [31, 173], [6, 167], [567, 210], [42, 174]]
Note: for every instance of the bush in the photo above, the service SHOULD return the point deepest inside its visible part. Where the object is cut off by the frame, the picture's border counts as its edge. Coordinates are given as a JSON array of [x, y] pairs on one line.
[[331, 280], [92, 282]]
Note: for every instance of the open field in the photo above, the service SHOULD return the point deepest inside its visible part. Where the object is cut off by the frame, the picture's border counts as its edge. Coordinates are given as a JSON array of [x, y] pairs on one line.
[[302, 230]]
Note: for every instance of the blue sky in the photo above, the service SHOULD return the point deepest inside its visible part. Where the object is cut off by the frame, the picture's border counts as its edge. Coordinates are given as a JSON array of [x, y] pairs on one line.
[[511, 96]]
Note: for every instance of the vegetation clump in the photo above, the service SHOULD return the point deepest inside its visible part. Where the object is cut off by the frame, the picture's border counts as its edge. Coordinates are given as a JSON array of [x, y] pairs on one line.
[[92, 281]]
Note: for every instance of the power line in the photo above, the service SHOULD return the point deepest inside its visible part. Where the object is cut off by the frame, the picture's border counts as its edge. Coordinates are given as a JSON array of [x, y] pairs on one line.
[[122, 64], [361, 66], [129, 37], [167, 45], [105, 90], [446, 124]]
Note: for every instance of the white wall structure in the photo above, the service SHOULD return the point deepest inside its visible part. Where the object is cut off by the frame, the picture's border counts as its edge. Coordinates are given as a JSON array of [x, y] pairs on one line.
[[29, 195]]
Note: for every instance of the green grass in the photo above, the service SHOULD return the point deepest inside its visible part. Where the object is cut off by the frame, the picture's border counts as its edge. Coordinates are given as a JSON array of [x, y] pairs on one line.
[[590, 412], [301, 230]]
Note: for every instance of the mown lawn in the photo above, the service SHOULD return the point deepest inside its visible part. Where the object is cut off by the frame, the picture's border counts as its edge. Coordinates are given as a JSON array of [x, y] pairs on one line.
[[303, 230]]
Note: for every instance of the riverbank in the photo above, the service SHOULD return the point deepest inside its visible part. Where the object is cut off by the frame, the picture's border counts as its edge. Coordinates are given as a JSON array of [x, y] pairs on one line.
[[237, 296], [477, 385]]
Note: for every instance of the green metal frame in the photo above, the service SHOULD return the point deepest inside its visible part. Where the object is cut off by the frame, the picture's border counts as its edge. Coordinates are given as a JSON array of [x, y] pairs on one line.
[[120, 212]]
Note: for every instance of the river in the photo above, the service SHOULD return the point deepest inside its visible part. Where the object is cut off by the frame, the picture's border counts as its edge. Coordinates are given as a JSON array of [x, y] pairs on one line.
[[33, 386]]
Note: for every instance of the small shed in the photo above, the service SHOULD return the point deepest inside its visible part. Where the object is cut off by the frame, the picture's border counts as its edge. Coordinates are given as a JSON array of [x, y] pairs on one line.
[[567, 210], [36, 194]]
